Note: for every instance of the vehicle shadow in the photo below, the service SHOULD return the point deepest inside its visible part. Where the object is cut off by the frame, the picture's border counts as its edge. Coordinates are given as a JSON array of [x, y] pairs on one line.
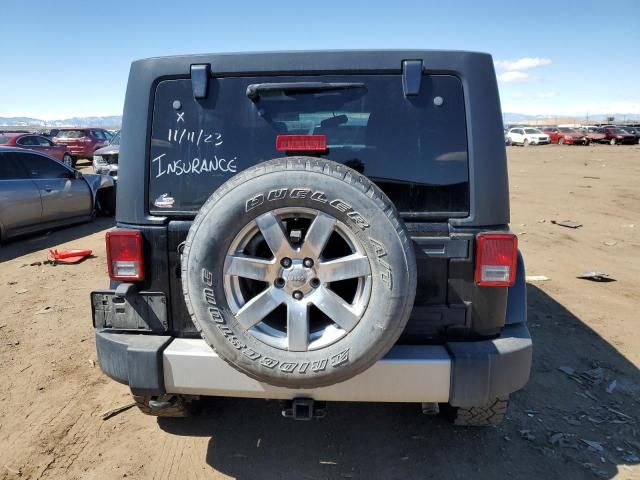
[[19, 246], [547, 430]]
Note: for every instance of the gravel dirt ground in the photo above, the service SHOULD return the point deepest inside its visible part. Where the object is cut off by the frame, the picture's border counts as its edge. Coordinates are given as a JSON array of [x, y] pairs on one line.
[[577, 418]]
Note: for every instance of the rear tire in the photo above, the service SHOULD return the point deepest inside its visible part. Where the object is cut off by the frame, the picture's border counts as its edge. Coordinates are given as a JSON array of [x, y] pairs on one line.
[[612, 141], [561, 141], [525, 143], [182, 407], [105, 202], [484, 416]]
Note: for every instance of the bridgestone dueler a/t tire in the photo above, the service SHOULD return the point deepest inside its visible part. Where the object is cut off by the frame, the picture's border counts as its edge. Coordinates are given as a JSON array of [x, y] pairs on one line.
[[483, 416], [327, 187]]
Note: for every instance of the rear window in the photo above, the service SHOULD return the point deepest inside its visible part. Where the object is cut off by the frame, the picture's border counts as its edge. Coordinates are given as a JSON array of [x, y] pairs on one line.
[[414, 148], [71, 134], [4, 139]]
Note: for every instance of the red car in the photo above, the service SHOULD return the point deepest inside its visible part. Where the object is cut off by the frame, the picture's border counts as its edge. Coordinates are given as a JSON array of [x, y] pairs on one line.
[[37, 143], [82, 142], [615, 135], [593, 134], [566, 135]]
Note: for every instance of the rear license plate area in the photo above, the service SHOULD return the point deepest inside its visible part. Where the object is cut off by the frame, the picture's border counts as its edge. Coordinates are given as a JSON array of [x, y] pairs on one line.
[[140, 312]]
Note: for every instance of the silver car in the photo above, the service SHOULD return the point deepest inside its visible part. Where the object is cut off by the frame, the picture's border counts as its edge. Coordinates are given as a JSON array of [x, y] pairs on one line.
[[105, 159], [37, 192]]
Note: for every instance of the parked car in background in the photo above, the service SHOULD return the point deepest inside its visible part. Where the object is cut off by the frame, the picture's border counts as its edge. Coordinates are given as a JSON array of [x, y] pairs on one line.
[[105, 159], [616, 136], [48, 132], [633, 131], [37, 192], [527, 136], [566, 135], [39, 144], [592, 133], [507, 140], [82, 142]]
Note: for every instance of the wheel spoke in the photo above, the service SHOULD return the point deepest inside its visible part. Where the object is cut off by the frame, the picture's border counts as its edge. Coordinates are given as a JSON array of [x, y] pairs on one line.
[[297, 326], [335, 308], [351, 266], [274, 234], [317, 236], [259, 307], [248, 267]]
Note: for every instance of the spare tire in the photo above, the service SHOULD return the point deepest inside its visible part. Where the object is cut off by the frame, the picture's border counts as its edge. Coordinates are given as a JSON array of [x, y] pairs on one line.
[[299, 272]]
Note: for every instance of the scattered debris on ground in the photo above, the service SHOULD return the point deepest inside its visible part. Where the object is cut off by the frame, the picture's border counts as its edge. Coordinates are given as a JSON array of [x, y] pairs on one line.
[[117, 410], [536, 278], [597, 277], [567, 223]]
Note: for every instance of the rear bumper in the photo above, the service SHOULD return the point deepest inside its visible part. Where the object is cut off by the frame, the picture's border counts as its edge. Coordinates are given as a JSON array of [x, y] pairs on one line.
[[462, 373], [82, 152]]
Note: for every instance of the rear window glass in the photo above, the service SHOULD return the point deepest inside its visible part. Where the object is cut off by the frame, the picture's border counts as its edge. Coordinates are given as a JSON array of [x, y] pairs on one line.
[[70, 134], [415, 148], [4, 139]]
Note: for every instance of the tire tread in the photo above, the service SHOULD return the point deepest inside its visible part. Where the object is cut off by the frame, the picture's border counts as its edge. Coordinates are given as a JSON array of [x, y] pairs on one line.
[[480, 416]]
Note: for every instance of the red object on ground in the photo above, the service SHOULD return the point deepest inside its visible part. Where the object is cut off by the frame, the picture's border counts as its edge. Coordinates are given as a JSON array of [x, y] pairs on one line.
[[68, 256]]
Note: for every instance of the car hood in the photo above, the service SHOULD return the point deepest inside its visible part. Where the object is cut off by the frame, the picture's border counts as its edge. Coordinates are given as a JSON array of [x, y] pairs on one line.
[[108, 150]]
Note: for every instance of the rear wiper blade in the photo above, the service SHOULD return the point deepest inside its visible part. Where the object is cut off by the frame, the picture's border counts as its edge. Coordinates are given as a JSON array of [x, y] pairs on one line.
[[255, 89]]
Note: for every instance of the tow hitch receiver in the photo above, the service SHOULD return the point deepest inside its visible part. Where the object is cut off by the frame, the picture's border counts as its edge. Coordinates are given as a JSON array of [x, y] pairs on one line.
[[304, 409]]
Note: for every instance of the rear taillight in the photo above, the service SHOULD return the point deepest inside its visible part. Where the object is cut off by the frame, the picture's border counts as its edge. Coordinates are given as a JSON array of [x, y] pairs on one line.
[[124, 255], [301, 143], [496, 256]]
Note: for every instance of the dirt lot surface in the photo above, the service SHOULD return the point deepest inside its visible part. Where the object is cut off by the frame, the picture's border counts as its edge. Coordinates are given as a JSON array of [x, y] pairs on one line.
[[577, 418]]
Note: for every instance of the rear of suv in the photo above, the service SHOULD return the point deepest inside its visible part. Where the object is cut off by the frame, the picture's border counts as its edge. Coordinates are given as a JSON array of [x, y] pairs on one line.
[[313, 227], [82, 142]]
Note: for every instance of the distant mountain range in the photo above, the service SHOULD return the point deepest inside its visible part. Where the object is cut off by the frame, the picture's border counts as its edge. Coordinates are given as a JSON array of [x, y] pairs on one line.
[[113, 121]]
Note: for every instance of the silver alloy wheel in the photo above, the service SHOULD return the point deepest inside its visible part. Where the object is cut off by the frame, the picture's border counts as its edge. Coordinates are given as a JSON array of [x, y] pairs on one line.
[[67, 160], [296, 276]]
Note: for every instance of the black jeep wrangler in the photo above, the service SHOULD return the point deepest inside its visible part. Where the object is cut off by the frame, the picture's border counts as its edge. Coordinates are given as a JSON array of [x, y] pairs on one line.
[[312, 227]]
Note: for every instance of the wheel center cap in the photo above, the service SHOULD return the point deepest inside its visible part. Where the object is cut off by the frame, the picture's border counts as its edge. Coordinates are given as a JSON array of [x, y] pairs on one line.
[[296, 276]]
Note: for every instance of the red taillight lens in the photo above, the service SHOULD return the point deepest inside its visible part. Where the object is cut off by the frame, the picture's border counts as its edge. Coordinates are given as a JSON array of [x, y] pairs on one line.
[[124, 255], [496, 255], [301, 143]]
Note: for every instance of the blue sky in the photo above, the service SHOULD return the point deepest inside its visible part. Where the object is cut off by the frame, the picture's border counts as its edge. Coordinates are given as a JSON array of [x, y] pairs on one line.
[[64, 58]]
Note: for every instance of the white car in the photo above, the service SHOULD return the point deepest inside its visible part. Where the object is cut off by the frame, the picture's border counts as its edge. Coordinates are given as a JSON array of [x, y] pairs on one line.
[[527, 136]]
